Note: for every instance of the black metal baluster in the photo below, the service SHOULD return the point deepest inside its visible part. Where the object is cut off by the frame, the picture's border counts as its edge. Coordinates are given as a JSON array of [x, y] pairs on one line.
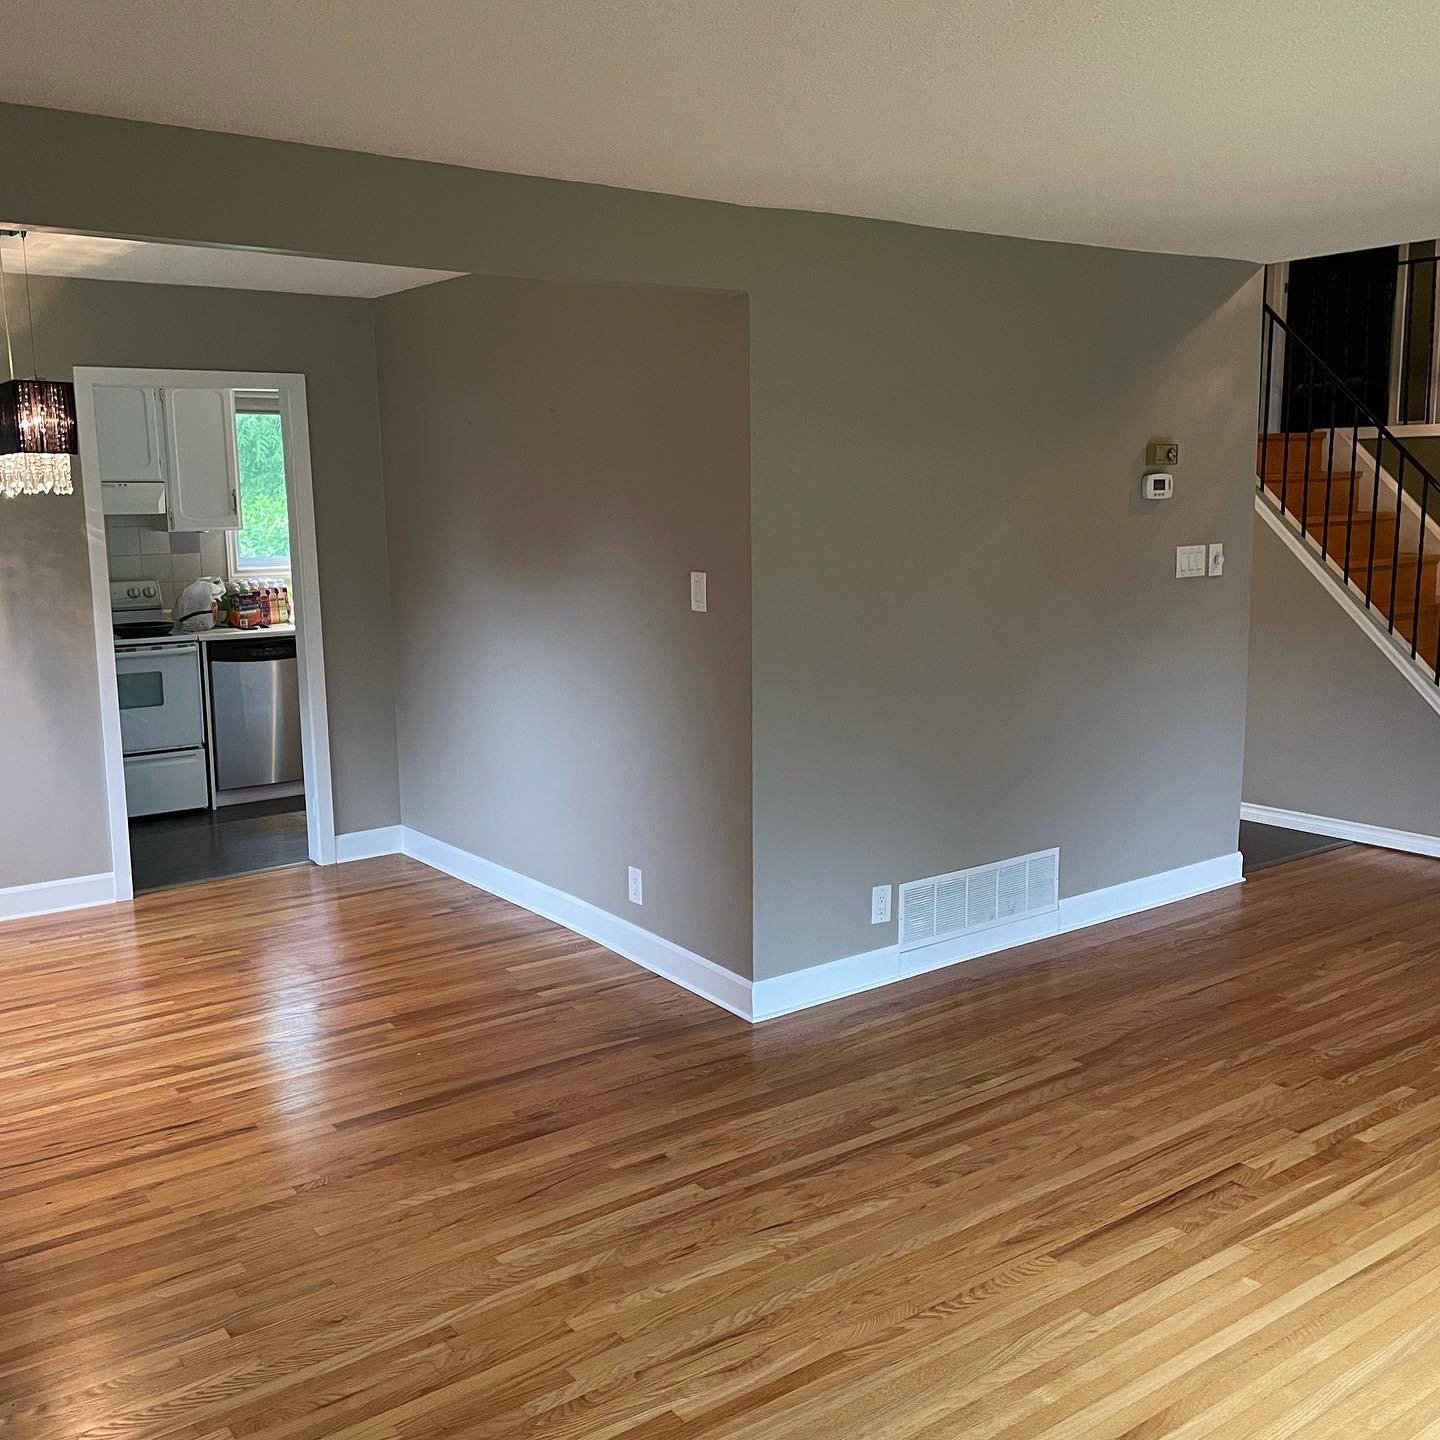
[[1268, 336], [1309, 436], [1419, 566], [1354, 481], [1260, 407], [1435, 659], [1329, 479], [1363, 373], [1285, 427], [1374, 515], [1428, 409], [1399, 517]]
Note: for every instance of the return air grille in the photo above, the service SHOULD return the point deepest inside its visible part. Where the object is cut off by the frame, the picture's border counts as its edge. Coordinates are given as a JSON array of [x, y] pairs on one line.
[[948, 905]]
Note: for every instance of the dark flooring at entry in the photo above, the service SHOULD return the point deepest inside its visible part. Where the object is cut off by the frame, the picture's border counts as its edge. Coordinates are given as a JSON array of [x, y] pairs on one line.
[[212, 844], [1266, 845]]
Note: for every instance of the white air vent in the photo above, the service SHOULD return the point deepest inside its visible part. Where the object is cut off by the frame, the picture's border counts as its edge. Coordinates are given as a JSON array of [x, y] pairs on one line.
[[948, 905]]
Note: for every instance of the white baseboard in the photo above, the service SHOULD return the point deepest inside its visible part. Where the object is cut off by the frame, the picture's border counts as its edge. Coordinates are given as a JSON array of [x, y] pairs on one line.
[[780, 994], [51, 896], [1096, 906], [690, 971], [1379, 835], [367, 844], [784, 994], [817, 984]]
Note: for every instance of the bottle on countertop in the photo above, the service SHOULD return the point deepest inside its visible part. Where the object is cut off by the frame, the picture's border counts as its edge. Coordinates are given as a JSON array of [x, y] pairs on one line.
[[246, 613]]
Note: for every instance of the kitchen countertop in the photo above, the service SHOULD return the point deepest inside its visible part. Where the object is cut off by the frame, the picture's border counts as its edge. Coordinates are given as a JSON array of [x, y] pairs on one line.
[[209, 637]]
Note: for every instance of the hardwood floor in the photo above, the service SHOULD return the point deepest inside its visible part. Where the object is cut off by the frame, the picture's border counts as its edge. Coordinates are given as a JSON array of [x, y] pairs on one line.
[[361, 1152]]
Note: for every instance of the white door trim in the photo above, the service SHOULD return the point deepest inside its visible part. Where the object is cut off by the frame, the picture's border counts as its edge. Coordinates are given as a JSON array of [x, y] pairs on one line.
[[305, 580]]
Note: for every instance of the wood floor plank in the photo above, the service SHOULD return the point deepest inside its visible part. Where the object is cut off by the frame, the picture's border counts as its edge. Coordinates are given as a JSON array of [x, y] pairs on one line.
[[363, 1152]]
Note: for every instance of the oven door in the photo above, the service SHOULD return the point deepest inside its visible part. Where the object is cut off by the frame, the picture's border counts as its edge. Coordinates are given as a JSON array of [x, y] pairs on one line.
[[159, 698]]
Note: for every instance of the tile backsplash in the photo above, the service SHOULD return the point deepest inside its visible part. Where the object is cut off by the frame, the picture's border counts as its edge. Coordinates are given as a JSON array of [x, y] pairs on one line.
[[141, 548]]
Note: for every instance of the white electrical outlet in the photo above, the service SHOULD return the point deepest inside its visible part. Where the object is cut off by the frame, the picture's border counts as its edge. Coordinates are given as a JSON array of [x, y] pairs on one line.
[[697, 590], [880, 905], [1217, 559], [1189, 562], [637, 887]]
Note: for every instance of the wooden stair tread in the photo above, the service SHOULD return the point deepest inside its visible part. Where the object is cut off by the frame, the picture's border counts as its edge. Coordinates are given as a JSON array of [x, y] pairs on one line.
[[1332, 503]]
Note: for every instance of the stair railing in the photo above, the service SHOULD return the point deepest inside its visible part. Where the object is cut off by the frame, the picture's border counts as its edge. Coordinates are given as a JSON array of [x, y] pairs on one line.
[[1306, 399]]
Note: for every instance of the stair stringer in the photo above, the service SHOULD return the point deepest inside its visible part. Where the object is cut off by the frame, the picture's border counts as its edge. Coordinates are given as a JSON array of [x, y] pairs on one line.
[[1350, 598]]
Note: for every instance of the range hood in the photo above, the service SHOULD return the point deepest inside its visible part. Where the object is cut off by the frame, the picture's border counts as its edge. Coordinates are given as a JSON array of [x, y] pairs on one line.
[[133, 497]]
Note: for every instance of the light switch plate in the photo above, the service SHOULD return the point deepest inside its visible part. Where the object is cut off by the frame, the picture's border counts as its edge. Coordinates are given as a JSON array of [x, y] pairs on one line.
[[1189, 562], [697, 590], [1217, 559]]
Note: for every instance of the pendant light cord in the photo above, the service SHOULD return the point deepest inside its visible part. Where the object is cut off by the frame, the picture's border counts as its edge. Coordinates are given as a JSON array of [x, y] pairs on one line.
[[5, 305], [29, 306]]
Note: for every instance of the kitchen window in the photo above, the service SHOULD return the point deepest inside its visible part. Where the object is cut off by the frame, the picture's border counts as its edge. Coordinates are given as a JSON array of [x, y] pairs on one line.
[[262, 545]]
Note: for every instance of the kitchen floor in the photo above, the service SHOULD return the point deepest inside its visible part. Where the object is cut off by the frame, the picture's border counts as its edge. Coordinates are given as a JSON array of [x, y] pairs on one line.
[[170, 850], [1266, 845]]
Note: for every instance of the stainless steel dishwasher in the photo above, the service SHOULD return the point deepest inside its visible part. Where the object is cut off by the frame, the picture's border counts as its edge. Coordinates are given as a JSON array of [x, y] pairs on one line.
[[255, 694]]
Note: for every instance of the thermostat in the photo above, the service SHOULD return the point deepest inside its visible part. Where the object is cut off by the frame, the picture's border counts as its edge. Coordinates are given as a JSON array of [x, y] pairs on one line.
[[1159, 485]]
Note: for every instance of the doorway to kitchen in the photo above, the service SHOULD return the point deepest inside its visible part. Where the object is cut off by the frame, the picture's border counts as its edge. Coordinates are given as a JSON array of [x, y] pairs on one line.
[[200, 518]]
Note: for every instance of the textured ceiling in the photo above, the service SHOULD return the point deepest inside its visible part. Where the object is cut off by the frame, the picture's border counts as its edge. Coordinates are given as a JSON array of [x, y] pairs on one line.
[[92, 257], [1265, 130]]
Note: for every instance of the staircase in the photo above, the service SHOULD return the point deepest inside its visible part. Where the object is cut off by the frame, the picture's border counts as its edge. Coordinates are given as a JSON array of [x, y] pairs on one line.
[[1374, 535]]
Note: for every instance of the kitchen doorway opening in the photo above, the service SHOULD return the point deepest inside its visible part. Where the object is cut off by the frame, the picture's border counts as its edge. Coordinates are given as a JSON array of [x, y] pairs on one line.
[[200, 521]]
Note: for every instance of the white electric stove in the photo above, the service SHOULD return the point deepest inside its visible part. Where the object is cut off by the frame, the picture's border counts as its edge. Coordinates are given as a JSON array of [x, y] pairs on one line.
[[162, 725]]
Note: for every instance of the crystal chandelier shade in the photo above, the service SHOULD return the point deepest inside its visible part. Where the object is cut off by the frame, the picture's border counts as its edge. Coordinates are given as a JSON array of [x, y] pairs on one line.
[[37, 422]]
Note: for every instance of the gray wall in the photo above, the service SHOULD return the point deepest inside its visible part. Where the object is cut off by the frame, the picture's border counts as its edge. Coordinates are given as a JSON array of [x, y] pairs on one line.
[[55, 823], [1331, 727], [52, 776], [969, 641], [558, 458], [966, 635]]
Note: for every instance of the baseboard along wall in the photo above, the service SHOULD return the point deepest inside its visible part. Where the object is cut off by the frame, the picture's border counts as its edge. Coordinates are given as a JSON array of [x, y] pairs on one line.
[[779, 995], [1382, 836], [50, 897]]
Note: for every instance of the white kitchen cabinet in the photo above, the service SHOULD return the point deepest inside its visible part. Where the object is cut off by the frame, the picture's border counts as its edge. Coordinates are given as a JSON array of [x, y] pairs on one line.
[[200, 446], [127, 434]]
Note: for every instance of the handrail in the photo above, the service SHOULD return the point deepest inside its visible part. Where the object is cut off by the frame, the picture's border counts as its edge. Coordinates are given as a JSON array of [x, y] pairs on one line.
[[1308, 381], [1373, 420]]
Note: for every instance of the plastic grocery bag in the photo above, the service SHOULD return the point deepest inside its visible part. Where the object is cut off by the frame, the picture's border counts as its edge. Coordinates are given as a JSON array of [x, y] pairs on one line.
[[198, 605]]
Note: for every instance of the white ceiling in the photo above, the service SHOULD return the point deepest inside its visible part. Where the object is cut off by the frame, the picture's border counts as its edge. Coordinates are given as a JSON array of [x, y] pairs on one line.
[[94, 257], [1231, 127]]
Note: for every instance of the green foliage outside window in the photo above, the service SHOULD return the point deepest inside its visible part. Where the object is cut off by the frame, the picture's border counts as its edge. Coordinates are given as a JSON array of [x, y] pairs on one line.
[[264, 542]]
